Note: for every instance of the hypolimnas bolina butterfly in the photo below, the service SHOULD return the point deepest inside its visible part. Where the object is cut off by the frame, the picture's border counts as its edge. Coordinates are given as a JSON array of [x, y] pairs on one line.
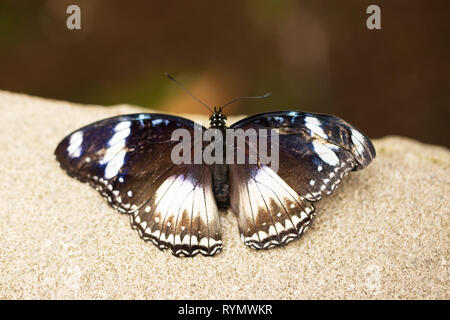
[[128, 160]]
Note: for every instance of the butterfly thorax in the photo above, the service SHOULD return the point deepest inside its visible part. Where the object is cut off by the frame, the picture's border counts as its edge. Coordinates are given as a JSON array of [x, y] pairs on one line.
[[217, 119]]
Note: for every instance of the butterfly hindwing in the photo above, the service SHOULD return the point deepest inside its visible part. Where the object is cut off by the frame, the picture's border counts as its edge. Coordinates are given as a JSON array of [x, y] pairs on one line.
[[182, 214], [269, 212], [128, 160]]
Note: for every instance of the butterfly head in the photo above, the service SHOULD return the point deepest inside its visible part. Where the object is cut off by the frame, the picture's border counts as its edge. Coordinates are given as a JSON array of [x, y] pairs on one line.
[[217, 119]]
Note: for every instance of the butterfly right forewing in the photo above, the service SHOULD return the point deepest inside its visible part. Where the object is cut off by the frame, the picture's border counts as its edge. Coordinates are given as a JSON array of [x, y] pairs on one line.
[[315, 151]]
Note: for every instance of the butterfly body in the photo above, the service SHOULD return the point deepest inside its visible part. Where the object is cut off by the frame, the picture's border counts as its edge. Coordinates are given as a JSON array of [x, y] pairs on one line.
[[220, 171], [175, 206]]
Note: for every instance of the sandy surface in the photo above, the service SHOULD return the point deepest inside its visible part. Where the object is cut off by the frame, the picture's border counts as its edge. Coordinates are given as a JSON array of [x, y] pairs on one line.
[[383, 234]]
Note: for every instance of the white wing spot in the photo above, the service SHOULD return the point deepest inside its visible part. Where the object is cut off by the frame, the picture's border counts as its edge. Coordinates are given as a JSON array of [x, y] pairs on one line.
[[130, 193], [312, 120], [119, 137], [74, 148], [357, 139], [313, 124], [325, 153], [122, 125], [113, 166]]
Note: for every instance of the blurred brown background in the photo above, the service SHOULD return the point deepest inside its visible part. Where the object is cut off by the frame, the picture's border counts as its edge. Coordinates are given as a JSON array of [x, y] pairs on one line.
[[312, 55]]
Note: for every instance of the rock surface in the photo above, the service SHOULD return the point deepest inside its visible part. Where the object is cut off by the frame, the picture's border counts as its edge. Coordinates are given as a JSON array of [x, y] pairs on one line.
[[384, 233]]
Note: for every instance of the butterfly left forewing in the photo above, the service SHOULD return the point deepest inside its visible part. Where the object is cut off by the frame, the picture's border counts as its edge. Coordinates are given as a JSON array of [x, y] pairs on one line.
[[121, 156]]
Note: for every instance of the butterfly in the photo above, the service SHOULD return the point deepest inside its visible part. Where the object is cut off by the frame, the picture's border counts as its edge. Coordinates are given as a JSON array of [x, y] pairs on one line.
[[128, 160]]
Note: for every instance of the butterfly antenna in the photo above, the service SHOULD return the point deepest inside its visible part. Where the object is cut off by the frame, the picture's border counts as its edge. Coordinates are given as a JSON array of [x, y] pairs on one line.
[[187, 91], [242, 98]]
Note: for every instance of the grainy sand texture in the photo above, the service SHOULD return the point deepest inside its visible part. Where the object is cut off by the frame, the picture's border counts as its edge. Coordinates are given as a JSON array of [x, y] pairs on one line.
[[384, 233]]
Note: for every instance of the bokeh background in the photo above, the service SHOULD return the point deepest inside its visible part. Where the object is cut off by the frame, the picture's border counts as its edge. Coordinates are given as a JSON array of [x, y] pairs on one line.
[[312, 55]]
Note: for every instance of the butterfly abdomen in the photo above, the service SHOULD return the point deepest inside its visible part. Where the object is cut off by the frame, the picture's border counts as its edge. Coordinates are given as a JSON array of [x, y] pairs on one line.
[[221, 185]]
